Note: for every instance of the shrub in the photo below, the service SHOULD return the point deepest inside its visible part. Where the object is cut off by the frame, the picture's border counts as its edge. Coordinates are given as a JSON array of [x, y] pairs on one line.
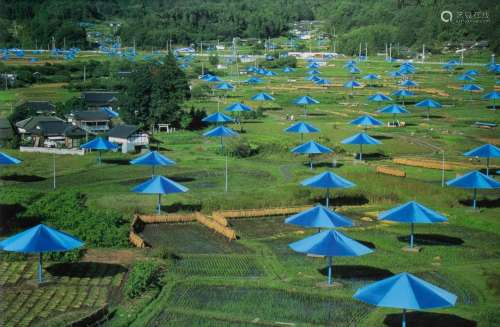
[[143, 276], [242, 148]]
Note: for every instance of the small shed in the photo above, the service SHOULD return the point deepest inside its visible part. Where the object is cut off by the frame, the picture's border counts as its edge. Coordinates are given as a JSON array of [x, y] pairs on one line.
[[129, 136]]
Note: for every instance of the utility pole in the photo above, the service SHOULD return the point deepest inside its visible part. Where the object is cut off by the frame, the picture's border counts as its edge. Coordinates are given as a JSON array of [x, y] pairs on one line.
[[386, 51], [84, 73], [390, 51], [359, 55], [366, 50]]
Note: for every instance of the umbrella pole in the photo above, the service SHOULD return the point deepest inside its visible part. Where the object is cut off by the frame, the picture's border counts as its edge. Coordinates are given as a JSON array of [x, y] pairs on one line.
[[327, 197], [361, 152], [474, 199], [225, 187], [301, 137], [221, 145], [329, 270], [428, 112], [310, 161], [40, 268], [403, 324], [153, 175], [411, 235], [487, 166], [99, 158], [159, 203]]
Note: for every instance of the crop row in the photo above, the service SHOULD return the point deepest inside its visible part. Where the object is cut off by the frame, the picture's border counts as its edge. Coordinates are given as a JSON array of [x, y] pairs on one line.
[[237, 266]]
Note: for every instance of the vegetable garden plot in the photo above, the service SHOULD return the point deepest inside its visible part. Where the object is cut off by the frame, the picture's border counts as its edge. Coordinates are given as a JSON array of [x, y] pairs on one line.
[[220, 265], [249, 228], [168, 318], [189, 238], [268, 304]]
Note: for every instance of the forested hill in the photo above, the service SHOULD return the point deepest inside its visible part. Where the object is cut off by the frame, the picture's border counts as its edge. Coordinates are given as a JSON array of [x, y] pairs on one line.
[[26, 23]]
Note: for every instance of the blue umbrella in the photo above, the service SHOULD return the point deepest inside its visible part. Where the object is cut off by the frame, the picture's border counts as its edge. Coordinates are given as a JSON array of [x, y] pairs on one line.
[[221, 132], [310, 148], [206, 76], [319, 217], [429, 103], [330, 243], [327, 180], [313, 78], [159, 185], [366, 120], [270, 73], [313, 65], [414, 213], [323, 81], [218, 117], [351, 85], [466, 78], [302, 128], [262, 97], [472, 72], [354, 70], [474, 180], [99, 144], [5, 159], [254, 80], [408, 83], [402, 94], [395, 74], [379, 97], [152, 158], [238, 107], [360, 138], [485, 151], [213, 79], [471, 88], [40, 239], [393, 109], [313, 72], [305, 100], [371, 77], [406, 70], [288, 70], [405, 291], [225, 87], [494, 95]]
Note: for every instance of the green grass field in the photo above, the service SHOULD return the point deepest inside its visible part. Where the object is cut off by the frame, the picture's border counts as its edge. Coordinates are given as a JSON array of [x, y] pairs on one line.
[[258, 280]]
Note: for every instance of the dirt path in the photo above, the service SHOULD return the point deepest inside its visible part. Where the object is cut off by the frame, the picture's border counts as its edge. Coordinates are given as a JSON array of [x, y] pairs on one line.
[[119, 256]]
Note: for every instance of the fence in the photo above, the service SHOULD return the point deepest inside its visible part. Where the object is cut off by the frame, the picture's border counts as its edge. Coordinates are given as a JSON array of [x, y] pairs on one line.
[[432, 164], [78, 152], [390, 171], [212, 224], [134, 238], [253, 213], [169, 218]]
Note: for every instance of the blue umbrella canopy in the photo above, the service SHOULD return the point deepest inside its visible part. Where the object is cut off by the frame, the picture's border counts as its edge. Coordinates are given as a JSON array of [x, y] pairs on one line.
[[323, 81], [305, 100], [366, 120], [393, 109], [254, 80], [152, 158], [40, 239], [474, 180], [288, 70], [225, 87], [371, 77], [406, 70], [313, 78], [220, 131], [206, 76], [330, 243], [159, 185], [485, 151], [379, 97], [262, 97], [5, 159], [354, 70], [403, 93], [218, 117], [472, 87], [313, 72], [408, 83], [270, 73], [465, 77], [313, 65], [360, 138], [472, 72], [319, 217], [302, 128], [213, 79], [405, 291], [327, 180], [429, 103], [311, 147], [238, 106], [99, 143], [494, 95], [414, 213], [351, 84]]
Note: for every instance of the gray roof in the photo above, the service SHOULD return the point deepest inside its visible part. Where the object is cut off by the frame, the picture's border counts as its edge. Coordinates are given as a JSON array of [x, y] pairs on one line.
[[31, 122], [99, 98], [122, 131], [91, 115], [6, 129], [57, 128], [40, 106]]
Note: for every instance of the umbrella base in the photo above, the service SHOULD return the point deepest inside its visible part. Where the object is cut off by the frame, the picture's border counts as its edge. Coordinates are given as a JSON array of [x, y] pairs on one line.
[[414, 249], [332, 285]]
